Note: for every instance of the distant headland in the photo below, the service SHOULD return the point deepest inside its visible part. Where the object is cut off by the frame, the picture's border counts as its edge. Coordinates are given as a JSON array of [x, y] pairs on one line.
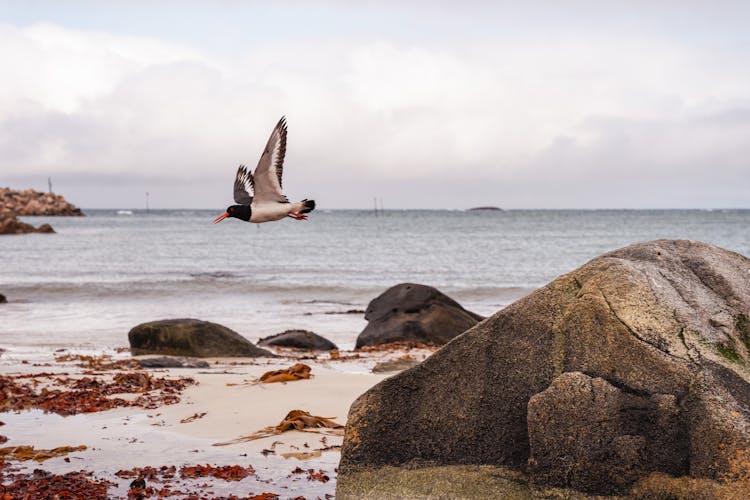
[[31, 202], [495, 209]]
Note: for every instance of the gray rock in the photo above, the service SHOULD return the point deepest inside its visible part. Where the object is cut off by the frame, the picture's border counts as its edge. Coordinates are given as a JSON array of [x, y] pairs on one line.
[[417, 313], [300, 339], [394, 365], [660, 331], [192, 338], [167, 362]]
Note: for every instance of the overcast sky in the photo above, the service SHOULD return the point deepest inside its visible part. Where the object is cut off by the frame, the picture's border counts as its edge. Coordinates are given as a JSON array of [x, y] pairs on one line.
[[522, 104]]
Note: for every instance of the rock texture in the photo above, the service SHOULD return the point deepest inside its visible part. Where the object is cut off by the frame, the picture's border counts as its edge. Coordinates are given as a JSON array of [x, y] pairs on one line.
[[417, 313], [589, 435], [192, 338], [9, 224], [31, 202], [635, 362], [299, 339]]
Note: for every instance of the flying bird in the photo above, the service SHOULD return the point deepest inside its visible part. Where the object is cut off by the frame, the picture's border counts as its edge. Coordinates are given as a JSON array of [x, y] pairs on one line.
[[258, 195]]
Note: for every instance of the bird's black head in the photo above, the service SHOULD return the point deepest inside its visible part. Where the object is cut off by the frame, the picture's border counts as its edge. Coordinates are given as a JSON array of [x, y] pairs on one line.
[[239, 211]]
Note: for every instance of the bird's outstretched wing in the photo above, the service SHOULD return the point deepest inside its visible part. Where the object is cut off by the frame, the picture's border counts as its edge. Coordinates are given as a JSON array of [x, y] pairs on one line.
[[271, 165], [243, 186]]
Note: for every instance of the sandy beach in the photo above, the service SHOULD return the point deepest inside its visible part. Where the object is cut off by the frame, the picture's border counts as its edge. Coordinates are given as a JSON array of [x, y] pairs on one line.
[[225, 404]]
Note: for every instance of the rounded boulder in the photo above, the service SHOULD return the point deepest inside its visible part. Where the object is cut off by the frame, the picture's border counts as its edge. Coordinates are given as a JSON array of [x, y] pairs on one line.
[[191, 338], [413, 312], [299, 339]]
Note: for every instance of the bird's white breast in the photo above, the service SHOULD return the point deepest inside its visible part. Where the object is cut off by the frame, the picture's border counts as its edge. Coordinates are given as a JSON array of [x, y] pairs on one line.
[[266, 212]]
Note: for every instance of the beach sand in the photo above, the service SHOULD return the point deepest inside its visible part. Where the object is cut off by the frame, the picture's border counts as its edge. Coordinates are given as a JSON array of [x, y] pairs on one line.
[[225, 404]]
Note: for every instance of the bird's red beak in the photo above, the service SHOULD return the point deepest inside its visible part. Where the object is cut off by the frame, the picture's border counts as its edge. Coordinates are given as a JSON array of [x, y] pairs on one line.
[[221, 217]]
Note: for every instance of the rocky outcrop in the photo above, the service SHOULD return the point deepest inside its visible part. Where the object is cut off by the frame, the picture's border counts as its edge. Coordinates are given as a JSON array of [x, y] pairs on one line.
[[417, 313], [299, 339], [191, 338], [31, 202], [9, 224], [635, 363]]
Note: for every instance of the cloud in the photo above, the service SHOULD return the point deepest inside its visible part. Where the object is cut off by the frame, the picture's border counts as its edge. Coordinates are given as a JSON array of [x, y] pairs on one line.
[[516, 122]]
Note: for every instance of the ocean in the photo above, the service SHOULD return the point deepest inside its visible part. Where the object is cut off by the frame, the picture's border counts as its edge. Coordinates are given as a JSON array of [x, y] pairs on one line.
[[85, 287]]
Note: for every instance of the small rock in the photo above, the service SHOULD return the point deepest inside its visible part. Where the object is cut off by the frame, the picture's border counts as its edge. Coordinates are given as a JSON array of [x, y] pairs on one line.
[[299, 339], [139, 483], [394, 365], [168, 362]]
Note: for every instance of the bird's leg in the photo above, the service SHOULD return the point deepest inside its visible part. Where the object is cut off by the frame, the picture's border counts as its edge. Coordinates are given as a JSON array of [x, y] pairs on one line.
[[297, 216]]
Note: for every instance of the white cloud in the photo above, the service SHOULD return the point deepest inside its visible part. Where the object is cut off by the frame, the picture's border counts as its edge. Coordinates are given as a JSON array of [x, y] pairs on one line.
[[371, 112]]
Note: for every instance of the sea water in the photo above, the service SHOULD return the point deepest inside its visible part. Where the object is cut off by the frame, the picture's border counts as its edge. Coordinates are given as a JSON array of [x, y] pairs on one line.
[[88, 285]]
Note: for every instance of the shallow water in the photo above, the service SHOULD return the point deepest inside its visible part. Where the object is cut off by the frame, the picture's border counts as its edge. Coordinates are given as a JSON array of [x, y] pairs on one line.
[[100, 275]]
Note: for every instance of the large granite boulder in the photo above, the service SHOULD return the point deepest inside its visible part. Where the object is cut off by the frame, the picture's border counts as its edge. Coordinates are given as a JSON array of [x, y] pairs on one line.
[[635, 363], [414, 312], [192, 338], [299, 339]]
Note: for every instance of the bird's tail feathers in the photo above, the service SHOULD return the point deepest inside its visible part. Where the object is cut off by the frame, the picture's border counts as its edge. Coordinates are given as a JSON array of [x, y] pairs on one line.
[[307, 206]]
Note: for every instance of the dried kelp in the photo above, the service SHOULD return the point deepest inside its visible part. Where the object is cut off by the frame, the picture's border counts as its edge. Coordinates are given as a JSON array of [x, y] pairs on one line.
[[42, 484], [98, 363], [298, 371], [226, 472], [312, 475], [193, 417], [70, 396], [398, 345], [24, 453], [297, 420]]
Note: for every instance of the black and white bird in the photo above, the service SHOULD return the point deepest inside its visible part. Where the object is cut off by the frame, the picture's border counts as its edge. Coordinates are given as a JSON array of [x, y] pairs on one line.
[[258, 195]]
